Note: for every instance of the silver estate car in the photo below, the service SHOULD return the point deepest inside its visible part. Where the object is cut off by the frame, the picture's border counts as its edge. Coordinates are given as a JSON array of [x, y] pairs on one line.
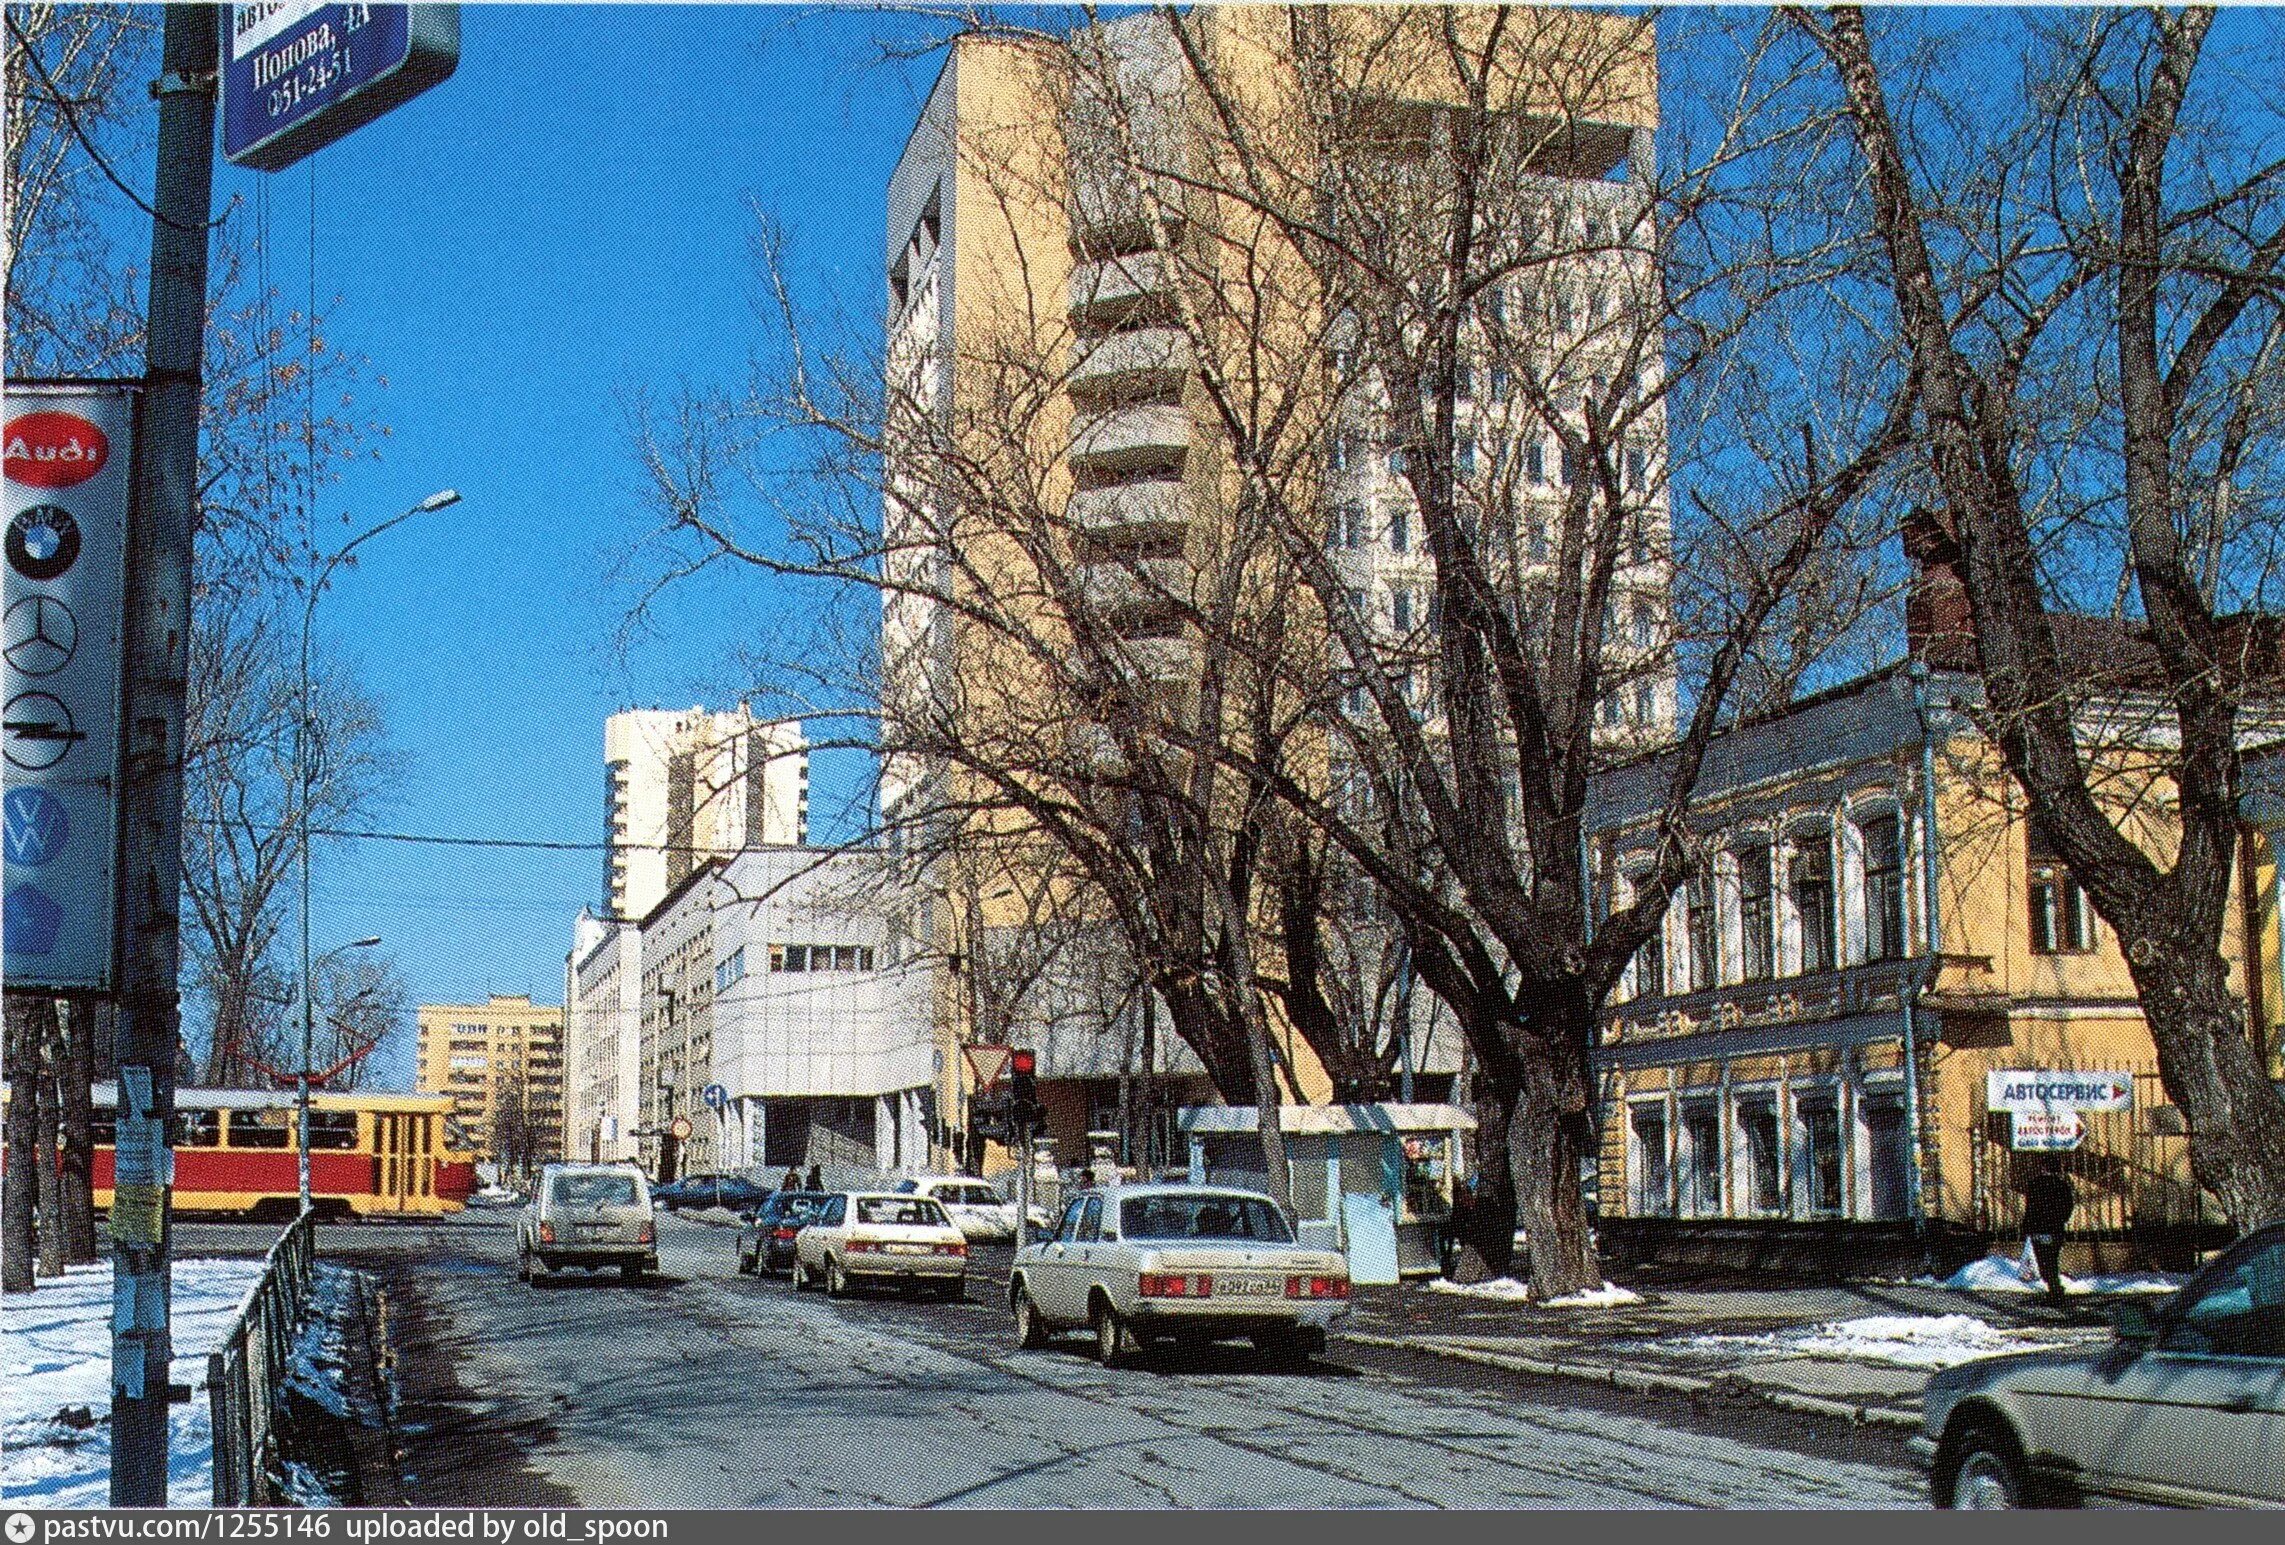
[[590, 1215], [2185, 1406], [1179, 1263]]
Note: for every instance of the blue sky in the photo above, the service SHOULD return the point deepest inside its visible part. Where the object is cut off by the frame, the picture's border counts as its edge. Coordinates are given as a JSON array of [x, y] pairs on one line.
[[562, 220]]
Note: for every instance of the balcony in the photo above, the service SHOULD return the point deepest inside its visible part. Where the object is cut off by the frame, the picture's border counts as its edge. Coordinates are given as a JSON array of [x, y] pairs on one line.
[[1109, 288], [1163, 659], [1132, 438], [1121, 506], [1146, 361], [1117, 585]]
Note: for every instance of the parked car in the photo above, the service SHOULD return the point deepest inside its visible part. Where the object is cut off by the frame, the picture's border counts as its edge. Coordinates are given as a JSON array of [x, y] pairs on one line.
[[766, 1242], [2185, 1405], [588, 1215], [880, 1237], [732, 1191], [976, 1210], [1143, 1264]]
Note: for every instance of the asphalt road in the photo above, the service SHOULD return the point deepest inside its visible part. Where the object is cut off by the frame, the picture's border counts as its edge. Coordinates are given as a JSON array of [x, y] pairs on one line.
[[700, 1388]]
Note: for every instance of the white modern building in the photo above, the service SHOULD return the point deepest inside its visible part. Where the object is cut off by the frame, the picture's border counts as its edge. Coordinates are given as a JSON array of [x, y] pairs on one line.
[[685, 785], [602, 1018]]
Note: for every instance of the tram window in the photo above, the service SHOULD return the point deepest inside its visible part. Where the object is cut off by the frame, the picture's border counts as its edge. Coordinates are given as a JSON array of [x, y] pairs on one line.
[[427, 1128], [198, 1129], [332, 1129], [261, 1128]]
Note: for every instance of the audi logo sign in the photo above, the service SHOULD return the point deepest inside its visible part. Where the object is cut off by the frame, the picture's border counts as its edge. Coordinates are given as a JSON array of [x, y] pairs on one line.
[[54, 450]]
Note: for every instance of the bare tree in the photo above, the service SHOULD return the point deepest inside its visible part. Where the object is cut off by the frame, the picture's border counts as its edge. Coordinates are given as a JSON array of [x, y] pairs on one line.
[[2089, 275]]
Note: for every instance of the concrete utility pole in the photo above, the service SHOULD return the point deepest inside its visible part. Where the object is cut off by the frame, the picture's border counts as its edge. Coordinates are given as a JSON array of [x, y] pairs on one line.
[[150, 807]]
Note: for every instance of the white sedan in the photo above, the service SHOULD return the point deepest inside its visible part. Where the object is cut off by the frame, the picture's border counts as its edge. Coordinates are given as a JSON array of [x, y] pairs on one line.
[[1141, 1264], [976, 1210], [880, 1237]]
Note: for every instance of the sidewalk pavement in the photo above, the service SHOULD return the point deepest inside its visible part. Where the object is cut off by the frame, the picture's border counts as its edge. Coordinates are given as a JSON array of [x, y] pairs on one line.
[[1857, 1352]]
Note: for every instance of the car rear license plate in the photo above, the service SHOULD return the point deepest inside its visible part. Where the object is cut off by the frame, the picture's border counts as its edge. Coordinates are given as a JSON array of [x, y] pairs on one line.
[[907, 1249], [594, 1230], [1247, 1287]]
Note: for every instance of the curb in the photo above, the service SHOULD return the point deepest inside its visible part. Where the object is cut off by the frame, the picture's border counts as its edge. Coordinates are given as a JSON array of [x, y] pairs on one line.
[[1642, 1382]]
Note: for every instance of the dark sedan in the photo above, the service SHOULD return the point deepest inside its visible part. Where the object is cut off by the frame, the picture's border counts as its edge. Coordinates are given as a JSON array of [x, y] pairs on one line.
[[765, 1244], [732, 1191]]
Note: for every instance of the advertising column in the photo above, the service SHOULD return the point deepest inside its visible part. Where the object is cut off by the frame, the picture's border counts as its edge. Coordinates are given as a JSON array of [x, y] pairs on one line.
[[69, 460]]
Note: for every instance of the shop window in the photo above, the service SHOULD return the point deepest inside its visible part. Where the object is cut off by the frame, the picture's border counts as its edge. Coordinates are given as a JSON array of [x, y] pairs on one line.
[[1764, 1169], [1883, 887], [1650, 1195], [2061, 920], [1705, 932], [1821, 1135], [1756, 917], [1809, 872], [1702, 1160]]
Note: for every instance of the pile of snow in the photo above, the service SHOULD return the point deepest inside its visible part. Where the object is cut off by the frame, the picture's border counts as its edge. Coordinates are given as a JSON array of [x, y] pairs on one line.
[[1998, 1273], [1509, 1290], [58, 1359], [1898, 1340]]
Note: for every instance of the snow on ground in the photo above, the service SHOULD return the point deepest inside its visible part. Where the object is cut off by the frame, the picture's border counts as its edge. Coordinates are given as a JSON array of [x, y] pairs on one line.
[[58, 1355], [2000, 1273], [1899, 1340], [1509, 1290]]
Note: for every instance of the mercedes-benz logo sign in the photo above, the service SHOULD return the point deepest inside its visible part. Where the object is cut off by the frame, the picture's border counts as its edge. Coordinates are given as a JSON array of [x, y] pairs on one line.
[[43, 541], [40, 634]]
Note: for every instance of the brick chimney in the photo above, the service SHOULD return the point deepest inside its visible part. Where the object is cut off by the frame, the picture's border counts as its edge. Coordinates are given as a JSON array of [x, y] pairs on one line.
[[1938, 627]]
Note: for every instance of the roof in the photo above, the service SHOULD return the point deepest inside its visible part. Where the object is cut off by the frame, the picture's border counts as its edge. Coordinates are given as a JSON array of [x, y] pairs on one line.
[[1320, 1120], [2117, 652]]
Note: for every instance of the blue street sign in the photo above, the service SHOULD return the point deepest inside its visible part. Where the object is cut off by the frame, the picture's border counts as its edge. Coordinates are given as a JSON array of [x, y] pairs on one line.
[[37, 826], [715, 1096], [298, 75]]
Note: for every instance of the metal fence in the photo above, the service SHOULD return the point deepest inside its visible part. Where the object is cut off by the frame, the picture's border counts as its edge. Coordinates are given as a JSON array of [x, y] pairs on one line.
[[244, 1374], [2131, 1170]]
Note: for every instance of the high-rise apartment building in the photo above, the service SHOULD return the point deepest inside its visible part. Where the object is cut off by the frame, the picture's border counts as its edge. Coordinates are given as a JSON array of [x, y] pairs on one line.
[[1059, 210], [502, 1063], [685, 785]]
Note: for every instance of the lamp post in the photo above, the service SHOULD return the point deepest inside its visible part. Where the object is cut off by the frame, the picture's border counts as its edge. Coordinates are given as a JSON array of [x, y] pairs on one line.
[[302, 773], [301, 1076]]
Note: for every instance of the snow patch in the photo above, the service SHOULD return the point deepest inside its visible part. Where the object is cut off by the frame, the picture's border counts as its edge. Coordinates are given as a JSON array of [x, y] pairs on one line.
[[1509, 1290], [55, 1352], [2000, 1273], [1897, 1340]]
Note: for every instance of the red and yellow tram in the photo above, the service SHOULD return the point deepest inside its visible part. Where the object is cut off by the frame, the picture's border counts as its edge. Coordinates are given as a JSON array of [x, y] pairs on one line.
[[371, 1154]]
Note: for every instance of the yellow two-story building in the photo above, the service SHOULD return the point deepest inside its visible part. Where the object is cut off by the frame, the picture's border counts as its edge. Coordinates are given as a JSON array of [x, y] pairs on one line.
[[1871, 884]]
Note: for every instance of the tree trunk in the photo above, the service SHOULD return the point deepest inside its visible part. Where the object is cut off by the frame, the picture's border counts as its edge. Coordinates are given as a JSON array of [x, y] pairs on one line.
[[75, 1090], [1487, 1225], [1549, 1139], [2210, 1069], [19, 1197], [50, 1192]]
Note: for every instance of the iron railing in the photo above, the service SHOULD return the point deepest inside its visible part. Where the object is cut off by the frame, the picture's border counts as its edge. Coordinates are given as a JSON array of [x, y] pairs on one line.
[[244, 1374]]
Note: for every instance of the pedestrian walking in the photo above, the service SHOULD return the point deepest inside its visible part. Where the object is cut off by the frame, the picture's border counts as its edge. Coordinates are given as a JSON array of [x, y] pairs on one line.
[[816, 1178], [1086, 1180], [792, 1181], [2049, 1199]]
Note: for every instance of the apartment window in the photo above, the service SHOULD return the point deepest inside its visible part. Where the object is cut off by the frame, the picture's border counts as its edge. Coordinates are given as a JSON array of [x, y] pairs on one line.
[[1755, 914], [1570, 466], [1464, 382], [732, 968], [1535, 461], [1637, 472], [1809, 872], [1357, 603], [1883, 887], [1705, 932], [1702, 1160], [1400, 608], [1399, 529], [1645, 702], [1652, 1189], [1821, 1133], [1464, 458], [1764, 1172], [1645, 623], [1495, 305], [1346, 527], [2062, 923], [1499, 383], [1535, 536], [1650, 964]]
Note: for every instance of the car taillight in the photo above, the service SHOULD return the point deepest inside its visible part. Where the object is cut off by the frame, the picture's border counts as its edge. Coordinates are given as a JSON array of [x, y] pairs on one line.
[[1174, 1284], [1317, 1287], [783, 1233], [958, 1249], [547, 1233], [648, 1236]]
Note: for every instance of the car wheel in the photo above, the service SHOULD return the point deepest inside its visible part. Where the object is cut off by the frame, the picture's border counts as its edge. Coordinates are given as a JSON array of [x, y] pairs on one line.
[[836, 1280], [523, 1266], [745, 1264], [953, 1290], [630, 1271], [1114, 1343], [801, 1282], [1031, 1330], [1987, 1474]]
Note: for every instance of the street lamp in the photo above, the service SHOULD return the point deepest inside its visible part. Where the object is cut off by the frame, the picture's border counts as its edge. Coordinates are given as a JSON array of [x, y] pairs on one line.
[[302, 727]]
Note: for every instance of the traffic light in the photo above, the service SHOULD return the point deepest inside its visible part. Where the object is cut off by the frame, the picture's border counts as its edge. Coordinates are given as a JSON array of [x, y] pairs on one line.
[[1023, 1089]]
